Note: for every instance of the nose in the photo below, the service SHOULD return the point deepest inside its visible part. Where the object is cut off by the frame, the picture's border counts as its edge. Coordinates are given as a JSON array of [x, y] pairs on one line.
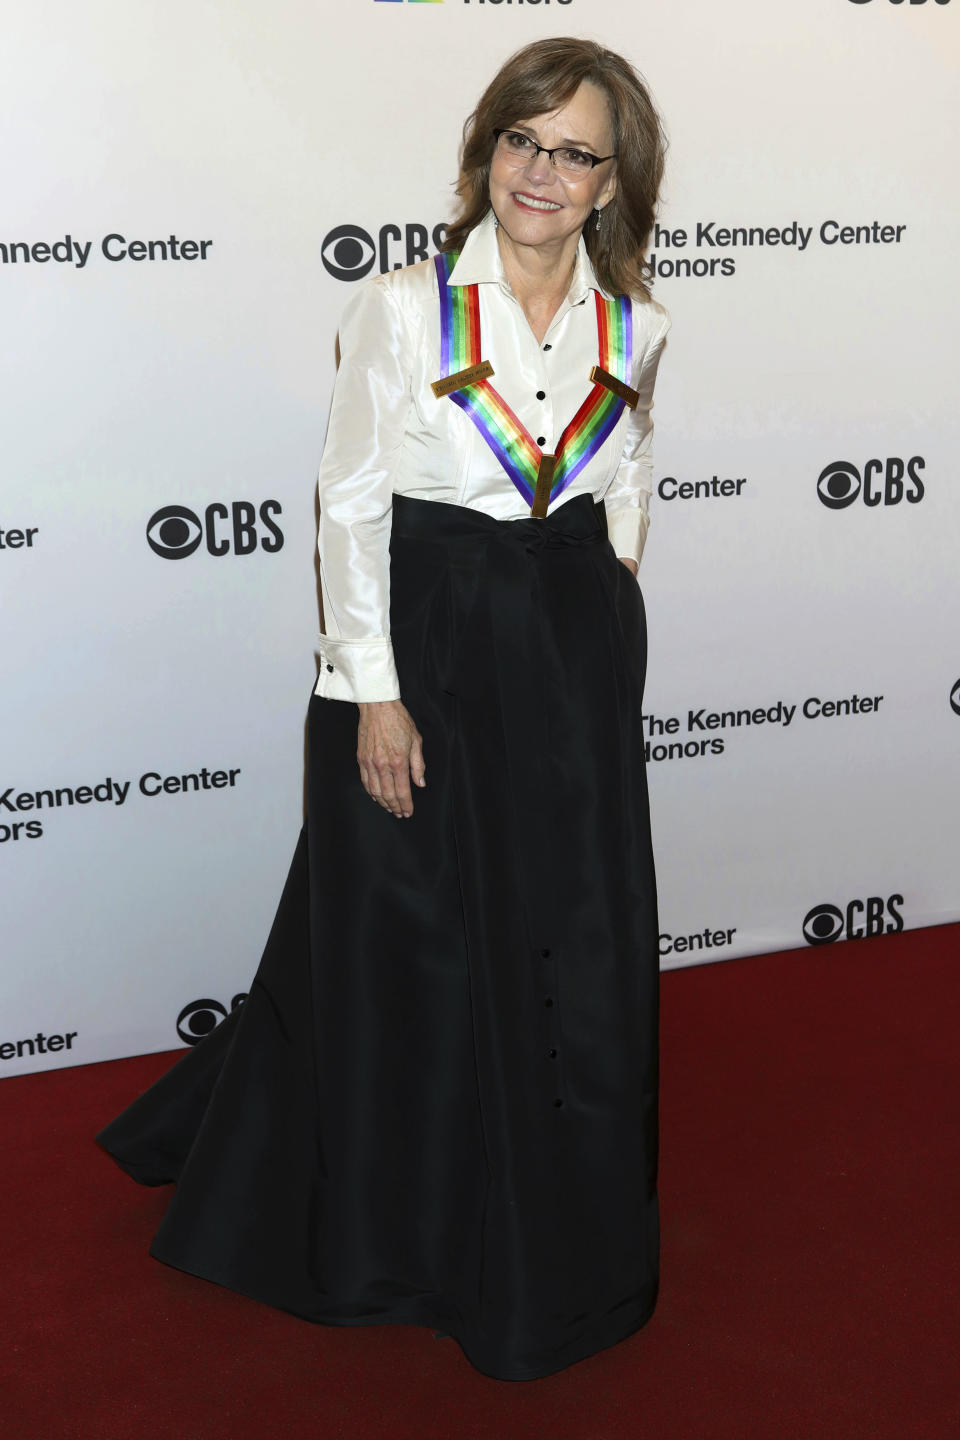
[[540, 168]]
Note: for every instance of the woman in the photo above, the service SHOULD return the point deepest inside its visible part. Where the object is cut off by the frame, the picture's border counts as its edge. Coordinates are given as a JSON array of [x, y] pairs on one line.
[[438, 1105]]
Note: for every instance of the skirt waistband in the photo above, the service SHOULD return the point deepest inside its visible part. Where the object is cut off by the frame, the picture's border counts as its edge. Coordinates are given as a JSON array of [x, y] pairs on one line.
[[581, 521]]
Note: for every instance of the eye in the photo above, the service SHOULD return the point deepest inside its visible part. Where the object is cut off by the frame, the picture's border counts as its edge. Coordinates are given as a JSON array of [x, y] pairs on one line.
[[823, 924], [173, 532], [519, 144], [348, 253], [839, 485], [197, 1020], [575, 159]]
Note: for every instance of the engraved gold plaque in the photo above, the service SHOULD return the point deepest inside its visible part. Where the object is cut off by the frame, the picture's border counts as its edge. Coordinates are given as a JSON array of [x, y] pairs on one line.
[[481, 371], [541, 496], [617, 387]]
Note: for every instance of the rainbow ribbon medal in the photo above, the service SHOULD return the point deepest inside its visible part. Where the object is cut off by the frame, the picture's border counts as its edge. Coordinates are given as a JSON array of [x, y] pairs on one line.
[[513, 445]]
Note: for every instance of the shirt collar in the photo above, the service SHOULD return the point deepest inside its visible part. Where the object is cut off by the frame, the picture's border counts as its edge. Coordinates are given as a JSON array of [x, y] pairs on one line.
[[480, 264]]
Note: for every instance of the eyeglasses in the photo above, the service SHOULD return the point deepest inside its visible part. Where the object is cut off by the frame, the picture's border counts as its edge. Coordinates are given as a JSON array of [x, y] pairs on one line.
[[519, 149]]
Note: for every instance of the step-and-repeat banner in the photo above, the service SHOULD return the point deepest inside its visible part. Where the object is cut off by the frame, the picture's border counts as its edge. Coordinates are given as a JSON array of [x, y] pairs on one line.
[[190, 192]]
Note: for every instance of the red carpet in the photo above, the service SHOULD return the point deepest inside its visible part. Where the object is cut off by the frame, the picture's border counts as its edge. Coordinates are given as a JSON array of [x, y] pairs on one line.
[[810, 1249]]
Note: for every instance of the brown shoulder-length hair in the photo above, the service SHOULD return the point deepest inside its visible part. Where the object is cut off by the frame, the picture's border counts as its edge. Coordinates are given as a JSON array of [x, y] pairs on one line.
[[540, 78]]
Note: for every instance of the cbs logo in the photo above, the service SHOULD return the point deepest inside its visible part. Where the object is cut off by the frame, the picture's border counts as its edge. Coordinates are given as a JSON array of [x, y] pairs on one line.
[[201, 1016], [902, 2], [826, 923], [883, 482], [174, 532], [349, 251], [955, 698]]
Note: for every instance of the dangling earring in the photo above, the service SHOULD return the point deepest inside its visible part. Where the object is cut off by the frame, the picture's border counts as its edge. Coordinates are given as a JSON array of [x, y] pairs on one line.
[[599, 214]]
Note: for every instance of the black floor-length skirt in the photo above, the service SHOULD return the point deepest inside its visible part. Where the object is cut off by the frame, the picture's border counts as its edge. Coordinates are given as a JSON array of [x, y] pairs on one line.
[[438, 1104]]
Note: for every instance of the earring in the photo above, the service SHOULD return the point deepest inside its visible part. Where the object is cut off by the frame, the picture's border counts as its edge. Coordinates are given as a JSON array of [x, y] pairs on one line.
[[599, 214]]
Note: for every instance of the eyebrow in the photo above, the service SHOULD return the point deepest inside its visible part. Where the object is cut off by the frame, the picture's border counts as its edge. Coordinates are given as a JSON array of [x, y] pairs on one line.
[[574, 144]]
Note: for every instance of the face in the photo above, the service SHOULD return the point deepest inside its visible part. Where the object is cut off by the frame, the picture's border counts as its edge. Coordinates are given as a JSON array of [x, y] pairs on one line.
[[533, 203]]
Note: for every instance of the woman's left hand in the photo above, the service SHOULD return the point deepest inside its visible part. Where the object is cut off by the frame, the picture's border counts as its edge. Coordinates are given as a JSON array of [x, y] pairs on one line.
[[631, 565]]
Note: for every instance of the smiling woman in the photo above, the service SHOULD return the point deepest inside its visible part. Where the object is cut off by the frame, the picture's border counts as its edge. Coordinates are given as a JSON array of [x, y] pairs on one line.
[[438, 1104], [546, 176], [538, 81]]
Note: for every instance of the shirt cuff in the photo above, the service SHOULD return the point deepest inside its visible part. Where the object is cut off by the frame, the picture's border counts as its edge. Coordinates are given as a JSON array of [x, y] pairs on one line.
[[627, 531], [357, 670]]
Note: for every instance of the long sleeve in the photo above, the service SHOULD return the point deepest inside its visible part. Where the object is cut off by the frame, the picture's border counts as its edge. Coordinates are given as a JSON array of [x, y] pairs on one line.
[[627, 499], [371, 400]]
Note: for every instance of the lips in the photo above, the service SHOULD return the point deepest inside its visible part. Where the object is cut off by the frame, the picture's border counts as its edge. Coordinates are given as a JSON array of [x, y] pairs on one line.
[[536, 203]]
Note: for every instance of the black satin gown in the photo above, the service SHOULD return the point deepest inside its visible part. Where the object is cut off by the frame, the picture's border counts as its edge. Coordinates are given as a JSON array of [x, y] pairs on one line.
[[438, 1105]]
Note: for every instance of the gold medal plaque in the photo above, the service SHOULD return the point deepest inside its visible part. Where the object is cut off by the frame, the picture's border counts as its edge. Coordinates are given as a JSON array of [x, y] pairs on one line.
[[481, 371], [617, 387], [541, 496]]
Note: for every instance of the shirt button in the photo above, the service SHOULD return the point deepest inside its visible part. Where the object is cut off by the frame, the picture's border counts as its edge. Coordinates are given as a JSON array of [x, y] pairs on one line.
[[541, 394], [548, 1002], [548, 347], [330, 668], [541, 440], [558, 1104]]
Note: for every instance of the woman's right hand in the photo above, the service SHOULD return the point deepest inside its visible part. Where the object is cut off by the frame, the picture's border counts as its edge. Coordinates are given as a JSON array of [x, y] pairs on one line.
[[390, 755]]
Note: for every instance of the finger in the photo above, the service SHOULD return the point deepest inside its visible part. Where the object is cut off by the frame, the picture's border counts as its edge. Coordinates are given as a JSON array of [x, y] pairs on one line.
[[370, 782], [372, 771], [418, 768], [401, 781], [388, 790], [374, 793]]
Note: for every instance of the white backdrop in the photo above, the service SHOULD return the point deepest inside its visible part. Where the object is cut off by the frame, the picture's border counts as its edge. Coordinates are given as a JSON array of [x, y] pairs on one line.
[[197, 376]]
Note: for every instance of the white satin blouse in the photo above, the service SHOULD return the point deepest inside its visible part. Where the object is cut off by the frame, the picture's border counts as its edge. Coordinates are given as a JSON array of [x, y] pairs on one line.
[[389, 434]]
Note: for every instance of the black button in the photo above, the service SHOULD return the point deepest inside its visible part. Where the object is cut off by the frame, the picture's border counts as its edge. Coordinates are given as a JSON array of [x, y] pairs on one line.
[[330, 668], [541, 439], [545, 954], [552, 1054], [557, 1104], [548, 1002], [541, 394], [548, 347]]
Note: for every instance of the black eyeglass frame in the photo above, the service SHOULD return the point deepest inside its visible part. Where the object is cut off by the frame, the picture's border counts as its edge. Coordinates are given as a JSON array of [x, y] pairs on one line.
[[595, 160]]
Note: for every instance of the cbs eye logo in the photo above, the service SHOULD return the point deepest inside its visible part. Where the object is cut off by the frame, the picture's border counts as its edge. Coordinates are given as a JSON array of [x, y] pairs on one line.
[[902, 2], [955, 698], [883, 482], [823, 924], [201, 1016], [873, 916], [174, 531], [349, 252]]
